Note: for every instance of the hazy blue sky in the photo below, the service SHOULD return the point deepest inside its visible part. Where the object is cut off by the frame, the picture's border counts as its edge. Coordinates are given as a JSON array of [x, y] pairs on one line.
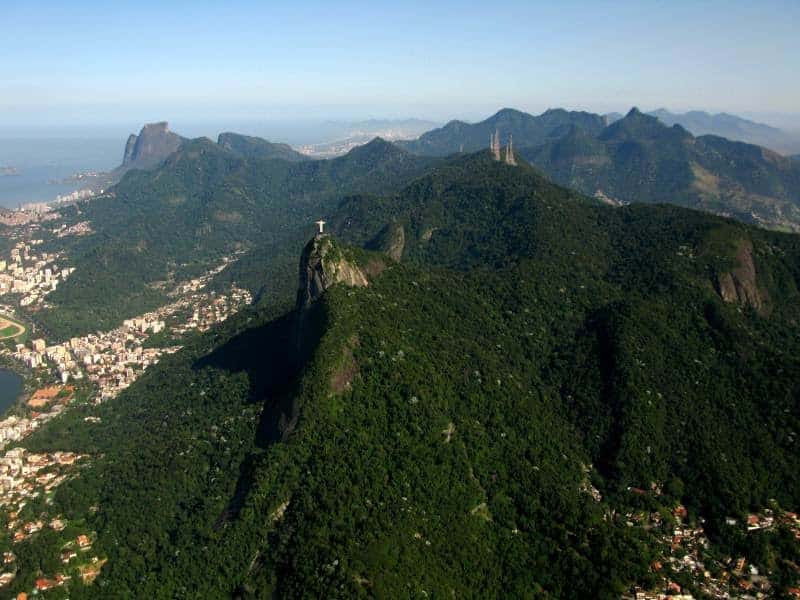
[[96, 61]]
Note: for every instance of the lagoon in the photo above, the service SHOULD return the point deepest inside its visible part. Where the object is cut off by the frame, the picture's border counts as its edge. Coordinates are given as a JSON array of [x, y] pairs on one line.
[[10, 389]]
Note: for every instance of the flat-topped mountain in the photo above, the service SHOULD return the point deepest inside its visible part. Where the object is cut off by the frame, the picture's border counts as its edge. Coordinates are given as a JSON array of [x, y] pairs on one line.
[[526, 129], [154, 143]]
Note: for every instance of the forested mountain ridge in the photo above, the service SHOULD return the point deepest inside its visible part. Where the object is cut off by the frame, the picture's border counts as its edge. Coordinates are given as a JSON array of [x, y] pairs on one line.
[[639, 159], [255, 147], [202, 203], [436, 431], [731, 127], [528, 130], [248, 196]]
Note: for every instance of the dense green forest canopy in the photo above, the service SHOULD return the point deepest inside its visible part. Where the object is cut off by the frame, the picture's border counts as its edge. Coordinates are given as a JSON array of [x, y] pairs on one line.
[[637, 158], [256, 199], [439, 429], [527, 130], [203, 203], [255, 147]]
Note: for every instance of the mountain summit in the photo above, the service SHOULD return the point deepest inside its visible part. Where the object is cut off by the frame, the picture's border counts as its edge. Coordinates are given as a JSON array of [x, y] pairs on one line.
[[255, 147], [732, 127], [527, 130], [153, 144], [638, 158]]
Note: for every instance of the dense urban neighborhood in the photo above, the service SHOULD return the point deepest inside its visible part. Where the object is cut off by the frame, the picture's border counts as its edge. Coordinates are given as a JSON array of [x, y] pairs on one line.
[[30, 274], [87, 369], [688, 555]]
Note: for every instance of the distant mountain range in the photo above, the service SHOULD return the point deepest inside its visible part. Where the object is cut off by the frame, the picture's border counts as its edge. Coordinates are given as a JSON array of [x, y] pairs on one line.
[[638, 158], [635, 159], [155, 143], [527, 130], [728, 126]]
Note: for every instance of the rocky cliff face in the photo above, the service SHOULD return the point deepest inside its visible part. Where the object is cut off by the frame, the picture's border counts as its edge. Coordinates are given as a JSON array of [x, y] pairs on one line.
[[739, 284], [397, 243], [322, 265], [130, 145], [391, 240], [154, 143]]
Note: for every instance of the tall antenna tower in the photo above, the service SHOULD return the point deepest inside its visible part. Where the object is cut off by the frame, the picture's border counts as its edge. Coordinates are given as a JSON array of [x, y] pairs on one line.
[[510, 160], [496, 145]]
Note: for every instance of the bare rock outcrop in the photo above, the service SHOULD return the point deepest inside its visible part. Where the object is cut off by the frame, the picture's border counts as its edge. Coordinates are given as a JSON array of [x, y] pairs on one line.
[[739, 285], [322, 265], [154, 143], [397, 243]]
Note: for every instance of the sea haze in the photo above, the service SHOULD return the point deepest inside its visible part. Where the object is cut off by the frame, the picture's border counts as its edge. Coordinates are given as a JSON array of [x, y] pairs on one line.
[[42, 160]]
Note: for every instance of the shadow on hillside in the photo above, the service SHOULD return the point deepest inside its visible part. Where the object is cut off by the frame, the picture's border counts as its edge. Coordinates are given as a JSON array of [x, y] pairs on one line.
[[266, 354], [274, 365]]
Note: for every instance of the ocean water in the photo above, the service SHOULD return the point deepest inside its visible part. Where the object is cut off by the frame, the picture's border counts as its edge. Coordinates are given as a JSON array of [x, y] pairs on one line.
[[10, 389], [41, 160]]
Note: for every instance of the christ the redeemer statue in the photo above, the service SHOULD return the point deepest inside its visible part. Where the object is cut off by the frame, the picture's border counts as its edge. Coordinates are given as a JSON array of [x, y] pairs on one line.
[[320, 224]]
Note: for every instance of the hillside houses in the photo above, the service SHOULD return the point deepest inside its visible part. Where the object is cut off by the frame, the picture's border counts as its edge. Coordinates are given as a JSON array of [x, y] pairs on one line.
[[13, 428], [31, 274], [114, 359]]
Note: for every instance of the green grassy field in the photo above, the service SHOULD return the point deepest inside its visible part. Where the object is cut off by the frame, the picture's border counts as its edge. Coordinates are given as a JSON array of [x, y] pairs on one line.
[[10, 329]]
